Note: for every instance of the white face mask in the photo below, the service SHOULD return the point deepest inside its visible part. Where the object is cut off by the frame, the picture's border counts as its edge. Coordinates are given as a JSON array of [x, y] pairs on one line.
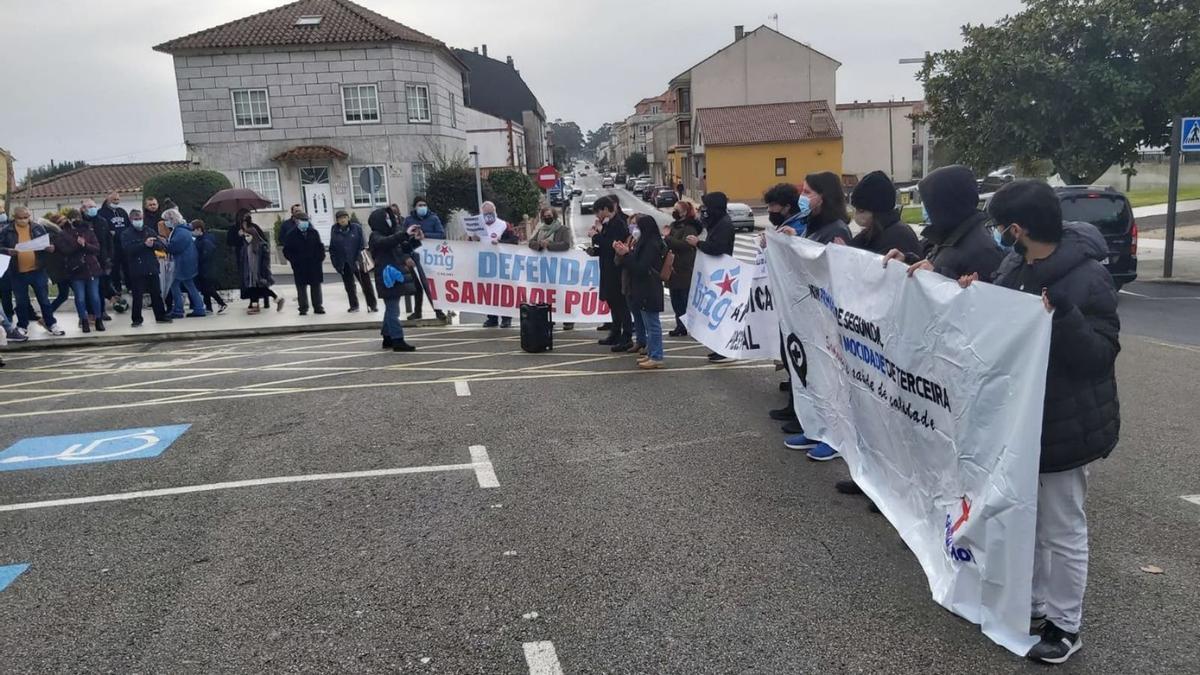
[[864, 219]]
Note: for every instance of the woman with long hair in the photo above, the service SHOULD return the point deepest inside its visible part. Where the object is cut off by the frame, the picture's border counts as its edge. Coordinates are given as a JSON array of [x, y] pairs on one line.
[[684, 225], [642, 258], [253, 251], [827, 201]]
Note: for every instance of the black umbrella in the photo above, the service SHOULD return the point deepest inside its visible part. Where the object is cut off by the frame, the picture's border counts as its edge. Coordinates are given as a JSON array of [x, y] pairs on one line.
[[234, 200]]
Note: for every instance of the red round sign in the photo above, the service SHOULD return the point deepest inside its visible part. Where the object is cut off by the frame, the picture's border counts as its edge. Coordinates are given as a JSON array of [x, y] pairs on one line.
[[547, 176]]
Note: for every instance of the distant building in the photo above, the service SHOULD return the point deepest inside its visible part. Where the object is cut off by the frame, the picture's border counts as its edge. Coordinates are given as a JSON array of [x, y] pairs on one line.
[[745, 149], [320, 102], [882, 136], [7, 182], [501, 142], [648, 113], [94, 182], [497, 88], [762, 66]]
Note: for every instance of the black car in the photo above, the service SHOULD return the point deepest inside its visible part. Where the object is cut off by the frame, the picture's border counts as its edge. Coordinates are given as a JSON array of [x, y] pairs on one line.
[[556, 197], [648, 193], [620, 178], [665, 197], [1112, 214]]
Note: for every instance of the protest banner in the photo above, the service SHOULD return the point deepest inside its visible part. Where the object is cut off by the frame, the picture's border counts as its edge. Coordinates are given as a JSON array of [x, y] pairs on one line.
[[934, 395], [731, 310], [474, 227], [485, 278]]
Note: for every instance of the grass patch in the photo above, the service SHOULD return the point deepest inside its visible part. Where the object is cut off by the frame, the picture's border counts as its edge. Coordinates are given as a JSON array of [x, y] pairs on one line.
[[912, 215], [1159, 195]]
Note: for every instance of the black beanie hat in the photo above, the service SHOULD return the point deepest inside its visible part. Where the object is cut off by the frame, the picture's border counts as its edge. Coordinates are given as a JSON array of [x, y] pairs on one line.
[[950, 195], [874, 193]]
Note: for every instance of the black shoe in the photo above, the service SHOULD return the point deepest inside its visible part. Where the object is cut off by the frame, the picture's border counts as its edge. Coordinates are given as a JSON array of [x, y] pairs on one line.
[[610, 340], [165, 319], [491, 323], [1057, 645], [105, 317], [1037, 624], [353, 309], [791, 428], [319, 310], [506, 323], [304, 312], [415, 316], [784, 414], [85, 327], [387, 343], [785, 386], [848, 487], [136, 324], [677, 332], [622, 347], [874, 508], [604, 326], [441, 316], [568, 326], [403, 346], [100, 325], [716, 358]]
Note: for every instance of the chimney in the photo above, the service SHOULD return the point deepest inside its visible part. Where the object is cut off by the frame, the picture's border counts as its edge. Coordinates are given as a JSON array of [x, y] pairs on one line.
[[738, 33], [477, 50], [509, 61], [485, 50]]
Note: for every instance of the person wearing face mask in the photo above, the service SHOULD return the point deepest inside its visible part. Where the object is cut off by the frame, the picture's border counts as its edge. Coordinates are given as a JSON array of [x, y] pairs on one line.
[[305, 251], [959, 243], [81, 260], [206, 273], [392, 250], [1063, 262], [117, 220], [288, 226], [684, 224], [552, 235], [874, 202], [6, 292], [139, 244], [826, 222], [431, 227], [181, 246], [104, 235], [346, 243], [498, 232], [27, 269], [609, 228], [643, 262], [252, 251], [719, 225]]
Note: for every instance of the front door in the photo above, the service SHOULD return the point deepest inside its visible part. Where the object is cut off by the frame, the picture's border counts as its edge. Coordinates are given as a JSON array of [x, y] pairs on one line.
[[318, 199]]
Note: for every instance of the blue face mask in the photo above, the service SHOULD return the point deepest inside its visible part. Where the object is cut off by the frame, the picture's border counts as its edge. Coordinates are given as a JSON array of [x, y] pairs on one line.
[[803, 206], [3, 218], [303, 225], [924, 214], [137, 224], [489, 218], [92, 211], [422, 211]]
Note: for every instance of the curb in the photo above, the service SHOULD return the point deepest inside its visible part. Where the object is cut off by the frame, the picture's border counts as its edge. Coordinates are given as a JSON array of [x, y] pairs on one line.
[[1171, 280], [110, 340]]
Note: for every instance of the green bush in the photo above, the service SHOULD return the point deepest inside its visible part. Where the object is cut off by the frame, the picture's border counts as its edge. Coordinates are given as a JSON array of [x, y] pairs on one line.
[[190, 190], [517, 195], [451, 188], [636, 164]]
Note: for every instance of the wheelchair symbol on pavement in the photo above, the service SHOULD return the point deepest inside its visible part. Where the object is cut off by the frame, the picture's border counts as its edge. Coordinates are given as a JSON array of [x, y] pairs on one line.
[[48, 451]]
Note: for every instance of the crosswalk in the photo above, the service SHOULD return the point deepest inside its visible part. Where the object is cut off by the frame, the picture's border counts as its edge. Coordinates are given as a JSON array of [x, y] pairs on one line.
[[745, 246]]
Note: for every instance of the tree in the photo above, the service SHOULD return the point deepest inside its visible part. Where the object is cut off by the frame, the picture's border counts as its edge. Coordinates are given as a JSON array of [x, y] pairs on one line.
[[516, 194], [1078, 82], [50, 170], [597, 136], [450, 185], [568, 137], [636, 164]]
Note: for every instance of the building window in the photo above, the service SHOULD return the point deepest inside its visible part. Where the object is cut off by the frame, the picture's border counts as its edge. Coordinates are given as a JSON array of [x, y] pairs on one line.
[[685, 100], [360, 103], [654, 110], [781, 166], [266, 183], [368, 185], [685, 133], [251, 109], [453, 111], [420, 177], [417, 96]]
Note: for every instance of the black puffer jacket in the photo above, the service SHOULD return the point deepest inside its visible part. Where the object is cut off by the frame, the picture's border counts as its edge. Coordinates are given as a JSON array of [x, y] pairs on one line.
[[832, 232], [720, 225], [390, 245], [888, 233], [616, 229], [1082, 417], [958, 241]]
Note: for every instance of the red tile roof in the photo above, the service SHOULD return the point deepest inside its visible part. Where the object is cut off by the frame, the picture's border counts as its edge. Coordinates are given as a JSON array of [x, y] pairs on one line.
[[767, 123], [98, 180], [868, 105], [341, 22]]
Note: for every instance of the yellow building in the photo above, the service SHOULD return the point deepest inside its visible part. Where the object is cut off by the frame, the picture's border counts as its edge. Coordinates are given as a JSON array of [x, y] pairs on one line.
[[7, 181], [743, 150]]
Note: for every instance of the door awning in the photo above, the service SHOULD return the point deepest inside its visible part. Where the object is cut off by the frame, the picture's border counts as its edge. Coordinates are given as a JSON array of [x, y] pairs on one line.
[[308, 153]]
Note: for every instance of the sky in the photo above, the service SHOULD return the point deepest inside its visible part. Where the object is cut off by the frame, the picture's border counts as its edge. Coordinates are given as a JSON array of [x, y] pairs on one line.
[[112, 99]]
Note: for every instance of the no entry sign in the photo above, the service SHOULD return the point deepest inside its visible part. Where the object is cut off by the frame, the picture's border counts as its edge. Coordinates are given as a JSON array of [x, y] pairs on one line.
[[547, 176]]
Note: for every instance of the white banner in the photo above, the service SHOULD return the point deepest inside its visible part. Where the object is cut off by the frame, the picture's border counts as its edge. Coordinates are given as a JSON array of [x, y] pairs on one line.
[[934, 395], [731, 310], [485, 278]]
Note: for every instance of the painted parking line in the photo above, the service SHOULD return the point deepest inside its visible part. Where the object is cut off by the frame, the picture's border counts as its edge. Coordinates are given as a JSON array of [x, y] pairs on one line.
[[103, 446], [541, 658], [8, 573], [1195, 499], [461, 388]]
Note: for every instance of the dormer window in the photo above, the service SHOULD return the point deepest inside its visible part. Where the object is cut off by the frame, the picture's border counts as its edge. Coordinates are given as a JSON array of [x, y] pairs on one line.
[[309, 20]]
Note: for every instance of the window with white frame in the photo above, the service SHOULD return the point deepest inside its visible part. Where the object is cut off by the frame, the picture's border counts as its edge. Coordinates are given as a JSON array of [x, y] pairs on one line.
[[251, 109], [360, 103], [453, 111], [368, 185], [266, 183], [420, 177], [417, 96]]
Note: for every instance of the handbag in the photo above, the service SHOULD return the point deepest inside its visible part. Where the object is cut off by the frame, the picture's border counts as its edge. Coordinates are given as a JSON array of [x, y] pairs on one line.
[[668, 267], [366, 262]]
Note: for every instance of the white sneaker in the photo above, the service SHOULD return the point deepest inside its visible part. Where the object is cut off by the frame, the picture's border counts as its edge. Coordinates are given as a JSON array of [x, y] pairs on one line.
[[18, 335], [56, 331]]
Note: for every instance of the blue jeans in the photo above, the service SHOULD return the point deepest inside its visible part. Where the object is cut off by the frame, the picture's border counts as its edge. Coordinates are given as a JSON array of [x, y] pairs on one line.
[[87, 297], [197, 300], [652, 329], [639, 328], [21, 283], [392, 327]]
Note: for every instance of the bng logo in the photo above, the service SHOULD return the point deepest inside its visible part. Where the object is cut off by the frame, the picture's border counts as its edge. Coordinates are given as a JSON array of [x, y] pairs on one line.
[[440, 257], [714, 296], [959, 553]]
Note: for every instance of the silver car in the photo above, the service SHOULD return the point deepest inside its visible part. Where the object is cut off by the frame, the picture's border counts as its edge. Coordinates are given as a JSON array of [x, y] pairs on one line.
[[741, 215]]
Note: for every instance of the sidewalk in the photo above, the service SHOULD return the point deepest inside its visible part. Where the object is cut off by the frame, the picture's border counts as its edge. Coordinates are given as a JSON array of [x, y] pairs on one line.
[[1185, 263], [1161, 209], [235, 322]]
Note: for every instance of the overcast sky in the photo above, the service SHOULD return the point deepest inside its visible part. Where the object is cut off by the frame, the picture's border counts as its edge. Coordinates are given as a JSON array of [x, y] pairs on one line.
[[81, 80]]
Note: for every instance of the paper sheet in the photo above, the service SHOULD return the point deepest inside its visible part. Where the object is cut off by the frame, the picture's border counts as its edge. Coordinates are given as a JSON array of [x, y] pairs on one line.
[[39, 244]]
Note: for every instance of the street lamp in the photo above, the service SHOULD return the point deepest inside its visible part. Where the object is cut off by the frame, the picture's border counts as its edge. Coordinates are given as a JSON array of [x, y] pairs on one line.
[[924, 125], [478, 182]]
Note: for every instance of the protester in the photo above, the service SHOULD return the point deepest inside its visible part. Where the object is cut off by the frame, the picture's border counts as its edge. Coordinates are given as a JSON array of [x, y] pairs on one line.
[[391, 247], [684, 224], [104, 235], [551, 234], [827, 203], [81, 260], [151, 215], [117, 220], [346, 246], [253, 254], [6, 294], [643, 260], [207, 274], [679, 189], [1081, 421], [52, 263], [501, 233], [959, 242], [720, 236], [304, 250], [288, 226], [141, 265], [181, 246], [609, 228], [431, 226], [27, 270], [874, 202]]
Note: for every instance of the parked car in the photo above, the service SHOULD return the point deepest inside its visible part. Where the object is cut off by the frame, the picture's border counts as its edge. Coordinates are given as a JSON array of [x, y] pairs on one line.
[[741, 215], [665, 198], [576, 191], [639, 186], [648, 193], [587, 203], [630, 183], [607, 182], [619, 178], [556, 197]]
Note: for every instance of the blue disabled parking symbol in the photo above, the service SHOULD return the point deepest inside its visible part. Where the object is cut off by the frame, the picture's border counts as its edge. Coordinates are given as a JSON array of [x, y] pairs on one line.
[[9, 573], [103, 446]]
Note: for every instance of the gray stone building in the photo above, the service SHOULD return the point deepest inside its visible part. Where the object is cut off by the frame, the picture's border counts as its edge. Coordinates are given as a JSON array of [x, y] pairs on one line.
[[319, 102]]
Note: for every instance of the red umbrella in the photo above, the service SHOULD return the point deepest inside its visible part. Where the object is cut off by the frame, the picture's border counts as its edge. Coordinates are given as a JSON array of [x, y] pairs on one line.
[[234, 200]]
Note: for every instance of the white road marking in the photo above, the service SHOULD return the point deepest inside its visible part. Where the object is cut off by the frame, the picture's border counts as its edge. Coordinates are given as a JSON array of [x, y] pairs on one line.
[[480, 464], [1195, 499], [542, 659], [461, 388], [484, 472]]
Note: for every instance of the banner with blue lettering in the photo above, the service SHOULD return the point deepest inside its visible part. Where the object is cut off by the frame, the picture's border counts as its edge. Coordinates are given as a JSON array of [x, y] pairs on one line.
[[731, 310], [933, 395], [486, 278]]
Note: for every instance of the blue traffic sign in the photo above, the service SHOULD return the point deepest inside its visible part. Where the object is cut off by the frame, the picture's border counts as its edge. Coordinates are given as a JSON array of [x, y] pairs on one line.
[[1191, 134], [103, 446], [8, 573]]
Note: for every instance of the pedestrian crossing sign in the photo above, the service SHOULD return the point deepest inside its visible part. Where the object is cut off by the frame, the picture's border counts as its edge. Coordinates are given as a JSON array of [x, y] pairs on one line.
[[1191, 134]]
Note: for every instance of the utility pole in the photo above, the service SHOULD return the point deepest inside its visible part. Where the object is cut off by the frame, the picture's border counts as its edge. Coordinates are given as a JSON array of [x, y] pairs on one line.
[[924, 125], [478, 181], [1172, 196]]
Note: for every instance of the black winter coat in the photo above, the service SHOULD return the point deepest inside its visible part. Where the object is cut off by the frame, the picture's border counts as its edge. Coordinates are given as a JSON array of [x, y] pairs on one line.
[[1082, 417], [104, 236], [80, 261], [140, 260], [391, 245], [304, 250], [685, 253], [720, 237], [887, 234], [833, 232], [206, 248], [344, 245], [117, 219], [962, 249], [616, 229], [644, 264]]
